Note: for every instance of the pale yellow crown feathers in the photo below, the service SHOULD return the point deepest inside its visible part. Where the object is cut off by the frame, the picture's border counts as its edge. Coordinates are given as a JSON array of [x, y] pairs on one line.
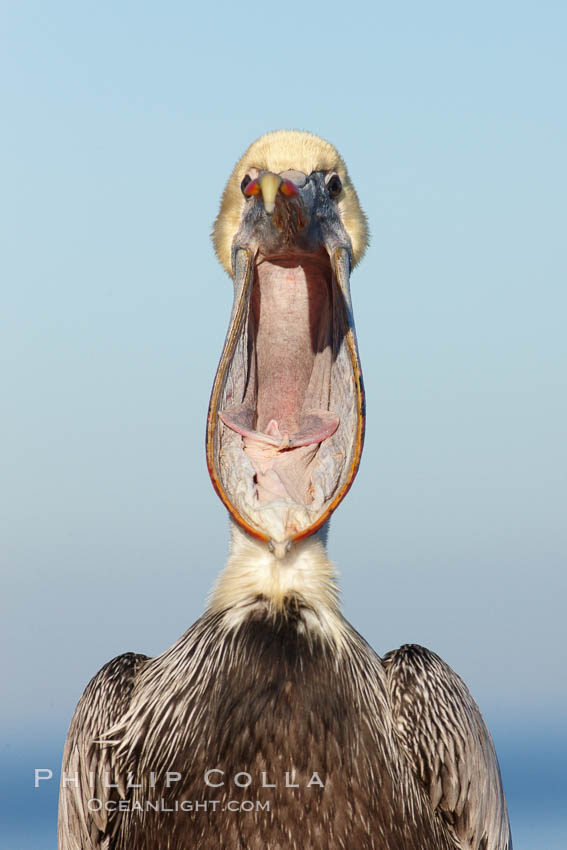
[[279, 151]]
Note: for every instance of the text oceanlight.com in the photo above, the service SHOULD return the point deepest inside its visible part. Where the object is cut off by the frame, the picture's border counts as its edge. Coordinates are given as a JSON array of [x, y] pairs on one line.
[[95, 805]]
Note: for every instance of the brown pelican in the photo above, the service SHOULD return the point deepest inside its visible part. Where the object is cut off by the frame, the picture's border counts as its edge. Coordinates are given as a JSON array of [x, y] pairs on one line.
[[271, 723]]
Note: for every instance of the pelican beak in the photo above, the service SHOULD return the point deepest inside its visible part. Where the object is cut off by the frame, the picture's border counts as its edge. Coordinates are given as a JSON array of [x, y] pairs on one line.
[[268, 185], [285, 426]]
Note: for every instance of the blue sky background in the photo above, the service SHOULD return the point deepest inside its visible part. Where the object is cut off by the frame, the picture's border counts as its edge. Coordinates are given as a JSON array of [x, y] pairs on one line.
[[120, 125]]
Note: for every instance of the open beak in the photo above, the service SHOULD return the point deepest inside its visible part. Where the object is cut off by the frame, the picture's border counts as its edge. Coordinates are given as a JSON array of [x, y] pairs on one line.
[[285, 425]]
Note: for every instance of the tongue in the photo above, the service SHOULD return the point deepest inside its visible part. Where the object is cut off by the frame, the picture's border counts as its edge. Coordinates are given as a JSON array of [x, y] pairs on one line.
[[314, 427], [283, 462]]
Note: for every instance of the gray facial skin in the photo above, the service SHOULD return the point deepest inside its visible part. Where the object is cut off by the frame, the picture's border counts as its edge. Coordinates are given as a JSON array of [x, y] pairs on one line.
[[302, 225]]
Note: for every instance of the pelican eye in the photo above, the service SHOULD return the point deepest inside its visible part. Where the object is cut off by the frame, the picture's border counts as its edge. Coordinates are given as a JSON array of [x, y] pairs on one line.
[[245, 181], [334, 186]]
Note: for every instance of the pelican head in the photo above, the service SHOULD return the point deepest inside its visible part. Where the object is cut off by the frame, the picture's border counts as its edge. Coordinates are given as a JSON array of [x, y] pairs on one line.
[[285, 426]]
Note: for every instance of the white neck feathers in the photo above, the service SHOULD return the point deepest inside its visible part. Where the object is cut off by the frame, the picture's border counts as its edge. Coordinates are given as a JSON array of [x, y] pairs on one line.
[[254, 575]]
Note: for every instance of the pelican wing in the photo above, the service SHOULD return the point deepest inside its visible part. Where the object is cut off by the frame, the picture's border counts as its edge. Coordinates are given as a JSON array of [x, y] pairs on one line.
[[88, 771], [449, 747]]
